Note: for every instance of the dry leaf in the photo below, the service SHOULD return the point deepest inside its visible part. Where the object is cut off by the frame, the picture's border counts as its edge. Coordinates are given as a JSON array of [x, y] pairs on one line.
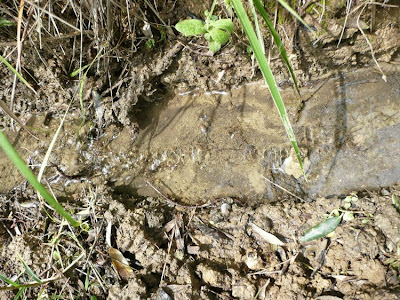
[[270, 238], [120, 263]]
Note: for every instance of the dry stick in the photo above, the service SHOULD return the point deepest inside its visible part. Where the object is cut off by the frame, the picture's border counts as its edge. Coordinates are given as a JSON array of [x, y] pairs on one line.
[[283, 189], [52, 39], [15, 118], [174, 203]]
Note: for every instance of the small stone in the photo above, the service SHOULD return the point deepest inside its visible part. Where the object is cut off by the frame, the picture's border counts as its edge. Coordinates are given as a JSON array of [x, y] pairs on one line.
[[253, 261], [225, 209]]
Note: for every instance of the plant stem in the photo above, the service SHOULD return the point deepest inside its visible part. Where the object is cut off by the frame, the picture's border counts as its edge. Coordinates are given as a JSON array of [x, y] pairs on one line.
[[212, 7]]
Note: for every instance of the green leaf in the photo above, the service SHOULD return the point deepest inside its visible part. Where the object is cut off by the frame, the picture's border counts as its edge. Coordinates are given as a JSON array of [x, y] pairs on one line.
[[87, 280], [277, 40], [29, 271], [322, 229], [214, 46], [9, 281], [191, 27], [225, 24], [219, 36], [20, 292], [5, 22]]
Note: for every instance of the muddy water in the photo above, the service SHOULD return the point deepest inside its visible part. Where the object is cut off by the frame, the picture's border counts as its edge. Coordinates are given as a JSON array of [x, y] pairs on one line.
[[223, 143], [201, 146]]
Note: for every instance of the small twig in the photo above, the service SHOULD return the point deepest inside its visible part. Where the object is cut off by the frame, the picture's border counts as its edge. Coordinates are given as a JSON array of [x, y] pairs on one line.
[[348, 7], [8, 231], [283, 189], [169, 201], [52, 39]]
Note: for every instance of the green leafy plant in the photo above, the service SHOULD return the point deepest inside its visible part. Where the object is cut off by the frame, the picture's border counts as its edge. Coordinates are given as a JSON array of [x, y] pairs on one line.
[[216, 31]]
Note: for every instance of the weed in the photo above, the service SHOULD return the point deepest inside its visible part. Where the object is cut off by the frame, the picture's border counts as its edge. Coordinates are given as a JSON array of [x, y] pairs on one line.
[[216, 32]]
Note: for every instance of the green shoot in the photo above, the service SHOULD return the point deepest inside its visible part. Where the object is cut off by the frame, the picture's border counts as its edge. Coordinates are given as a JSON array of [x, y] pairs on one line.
[[27, 173], [216, 32], [268, 76], [29, 271], [9, 281]]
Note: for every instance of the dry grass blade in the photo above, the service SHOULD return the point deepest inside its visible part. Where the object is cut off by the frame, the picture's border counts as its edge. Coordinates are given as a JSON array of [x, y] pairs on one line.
[[15, 118], [53, 15], [19, 52], [369, 44]]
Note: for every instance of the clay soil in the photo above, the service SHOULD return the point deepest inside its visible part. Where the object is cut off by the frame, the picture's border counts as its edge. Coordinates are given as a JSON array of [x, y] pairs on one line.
[[192, 236]]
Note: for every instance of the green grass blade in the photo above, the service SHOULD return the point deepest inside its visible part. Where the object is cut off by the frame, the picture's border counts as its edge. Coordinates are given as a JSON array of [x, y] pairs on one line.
[[277, 40], [257, 26], [20, 292], [268, 76], [76, 72], [27, 173], [29, 271], [4, 61], [294, 13], [9, 281]]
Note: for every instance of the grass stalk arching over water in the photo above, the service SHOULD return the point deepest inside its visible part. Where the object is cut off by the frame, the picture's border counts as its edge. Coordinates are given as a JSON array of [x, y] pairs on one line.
[[27, 173], [268, 76]]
